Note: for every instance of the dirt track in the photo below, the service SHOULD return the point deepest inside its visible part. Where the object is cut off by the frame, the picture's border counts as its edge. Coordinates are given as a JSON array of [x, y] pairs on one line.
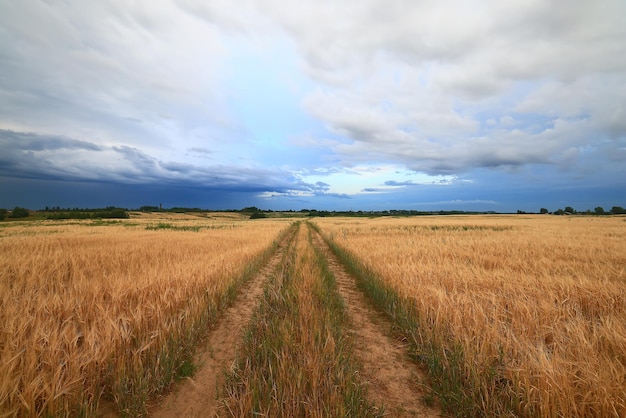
[[392, 379], [197, 396]]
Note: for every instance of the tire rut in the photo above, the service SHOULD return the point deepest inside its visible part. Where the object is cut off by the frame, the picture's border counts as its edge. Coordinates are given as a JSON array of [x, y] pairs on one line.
[[198, 396], [391, 377]]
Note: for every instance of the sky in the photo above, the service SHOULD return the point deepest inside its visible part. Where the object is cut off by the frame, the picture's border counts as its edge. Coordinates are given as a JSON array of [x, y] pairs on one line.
[[331, 105]]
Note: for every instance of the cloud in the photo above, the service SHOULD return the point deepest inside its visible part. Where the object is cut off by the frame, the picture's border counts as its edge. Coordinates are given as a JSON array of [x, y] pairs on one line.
[[458, 202], [29, 155], [136, 158], [29, 141], [399, 183], [199, 150], [413, 84], [96, 70], [36, 156], [316, 99]]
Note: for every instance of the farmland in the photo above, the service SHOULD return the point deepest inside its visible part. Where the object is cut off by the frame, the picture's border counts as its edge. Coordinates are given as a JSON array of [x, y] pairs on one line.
[[113, 310], [499, 315], [512, 316]]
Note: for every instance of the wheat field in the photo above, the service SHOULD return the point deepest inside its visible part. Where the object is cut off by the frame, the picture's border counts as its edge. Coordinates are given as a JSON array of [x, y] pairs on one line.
[[94, 312], [511, 315], [527, 312]]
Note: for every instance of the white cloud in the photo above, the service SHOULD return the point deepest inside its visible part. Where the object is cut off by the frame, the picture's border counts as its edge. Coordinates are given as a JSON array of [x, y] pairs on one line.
[[110, 71], [433, 87], [409, 82]]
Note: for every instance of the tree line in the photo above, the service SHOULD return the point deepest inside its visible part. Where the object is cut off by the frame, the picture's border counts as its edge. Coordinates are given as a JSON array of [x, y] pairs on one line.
[[58, 213], [568, 210], [111, 212]]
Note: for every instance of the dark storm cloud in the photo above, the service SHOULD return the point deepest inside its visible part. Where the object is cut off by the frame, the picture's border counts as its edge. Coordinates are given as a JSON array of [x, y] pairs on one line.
[[30, 155], [46, 157], [29, 141], [137, 158], [178, 167]]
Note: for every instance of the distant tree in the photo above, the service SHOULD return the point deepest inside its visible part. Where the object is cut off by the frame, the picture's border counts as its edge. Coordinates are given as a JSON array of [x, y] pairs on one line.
[[559, 212], [543, 211], [258, 215], [599, 211], [569, 209], [3, 214], [19, 212], [617, 210], [520, 212], [110, 213]]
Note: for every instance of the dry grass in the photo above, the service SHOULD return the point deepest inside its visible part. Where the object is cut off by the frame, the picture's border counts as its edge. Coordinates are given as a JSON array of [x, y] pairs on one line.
[[92, 310], [527, 314]]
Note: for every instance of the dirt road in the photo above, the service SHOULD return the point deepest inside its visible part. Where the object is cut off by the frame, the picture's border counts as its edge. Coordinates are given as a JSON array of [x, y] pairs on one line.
[[198, 396], [393, 379]]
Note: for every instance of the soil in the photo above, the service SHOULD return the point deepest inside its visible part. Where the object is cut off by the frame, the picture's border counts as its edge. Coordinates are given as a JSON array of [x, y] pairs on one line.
[[392, 378], [197, 396]]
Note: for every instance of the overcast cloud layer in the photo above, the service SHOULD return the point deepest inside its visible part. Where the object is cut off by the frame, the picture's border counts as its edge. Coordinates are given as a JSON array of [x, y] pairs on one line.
[[486, 105]]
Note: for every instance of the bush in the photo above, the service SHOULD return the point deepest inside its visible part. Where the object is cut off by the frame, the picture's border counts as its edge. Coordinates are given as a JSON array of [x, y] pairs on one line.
[[111, 213], [618, 210], [19, 212], [3, 214]]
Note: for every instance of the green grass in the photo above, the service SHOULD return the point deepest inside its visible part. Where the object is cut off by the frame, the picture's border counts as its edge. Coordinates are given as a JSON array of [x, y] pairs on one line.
[[100, 222], [192, 228], [165, 225], [296, 359]]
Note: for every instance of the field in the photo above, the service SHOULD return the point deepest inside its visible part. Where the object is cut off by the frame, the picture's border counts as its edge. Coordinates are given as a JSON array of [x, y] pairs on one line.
[[112, 309], [519, 316], [505, 315]]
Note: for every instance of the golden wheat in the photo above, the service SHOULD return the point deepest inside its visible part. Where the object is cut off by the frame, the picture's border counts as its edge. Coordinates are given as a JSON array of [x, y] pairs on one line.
[[92, 309], [537, 303]]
